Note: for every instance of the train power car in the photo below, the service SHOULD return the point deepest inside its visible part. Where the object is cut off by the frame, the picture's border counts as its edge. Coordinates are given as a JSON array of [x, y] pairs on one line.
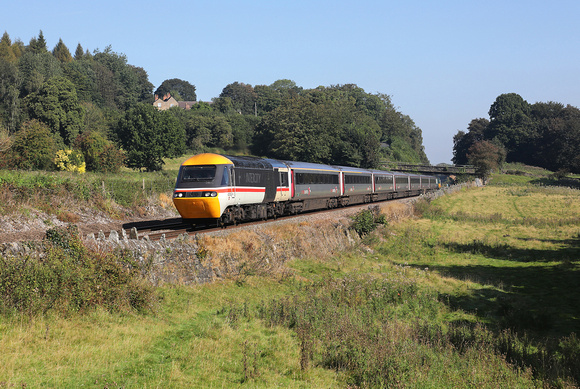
[[227, 189]]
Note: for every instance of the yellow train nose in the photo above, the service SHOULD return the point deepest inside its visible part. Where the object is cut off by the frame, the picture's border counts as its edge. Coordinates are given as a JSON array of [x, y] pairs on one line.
[[198, 208]]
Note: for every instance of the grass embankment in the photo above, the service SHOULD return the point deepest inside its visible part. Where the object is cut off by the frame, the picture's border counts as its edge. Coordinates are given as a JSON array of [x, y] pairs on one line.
[[481, 291], [65, 195]]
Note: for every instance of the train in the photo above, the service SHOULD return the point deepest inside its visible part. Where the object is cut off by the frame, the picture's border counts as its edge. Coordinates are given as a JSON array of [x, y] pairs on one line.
[[221, 189]]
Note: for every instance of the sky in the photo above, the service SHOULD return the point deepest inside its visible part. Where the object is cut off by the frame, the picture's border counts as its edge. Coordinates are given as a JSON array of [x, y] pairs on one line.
[[442, 62]]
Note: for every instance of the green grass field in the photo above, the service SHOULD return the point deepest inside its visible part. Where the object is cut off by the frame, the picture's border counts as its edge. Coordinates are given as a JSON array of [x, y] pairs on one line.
[[481, 290]]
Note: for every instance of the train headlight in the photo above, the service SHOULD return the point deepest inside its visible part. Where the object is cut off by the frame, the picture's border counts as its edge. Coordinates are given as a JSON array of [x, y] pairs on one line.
[[178, 194], [209, 194]]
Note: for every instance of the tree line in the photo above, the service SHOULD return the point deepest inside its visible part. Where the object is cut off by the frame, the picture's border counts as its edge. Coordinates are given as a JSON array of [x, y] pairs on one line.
[[544, 134], [99, 109]]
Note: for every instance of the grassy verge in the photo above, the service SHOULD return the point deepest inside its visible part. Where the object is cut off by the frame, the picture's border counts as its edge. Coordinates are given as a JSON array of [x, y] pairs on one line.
[[57, 193], [481, 291]]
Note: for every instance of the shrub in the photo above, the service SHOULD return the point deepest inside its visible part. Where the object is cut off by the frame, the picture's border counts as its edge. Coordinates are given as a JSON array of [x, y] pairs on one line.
[[33, 147], [70, 161], [100, 154], [68, 277], [366, 221], [110, 160]]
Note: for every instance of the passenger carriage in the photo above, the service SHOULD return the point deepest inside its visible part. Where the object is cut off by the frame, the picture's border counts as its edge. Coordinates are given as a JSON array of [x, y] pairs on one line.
[[228, 189]]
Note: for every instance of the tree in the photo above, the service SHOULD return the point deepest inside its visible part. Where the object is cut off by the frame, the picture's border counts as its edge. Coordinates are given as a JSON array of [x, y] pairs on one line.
[[149, 135], [9, 95], [463, 141], [79, 53], [175, 86], [99, 153], [36, 68], [82, 74], [486, 157], [33, 146], [243, 97], [38, 45], [331, 132], [510, 125], [270, 97], [144, 87], [57, 105], [558, 127], [6, 52], [61, 52], [121, 85]]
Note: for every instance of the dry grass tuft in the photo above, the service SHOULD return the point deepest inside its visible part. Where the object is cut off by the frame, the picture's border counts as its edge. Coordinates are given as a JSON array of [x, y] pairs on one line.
[[265, 251], [165, 201]]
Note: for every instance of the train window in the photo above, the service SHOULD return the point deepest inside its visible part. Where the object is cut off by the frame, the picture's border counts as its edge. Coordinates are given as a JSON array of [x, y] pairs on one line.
[[316, 178], [227, 177], [203, 173], [356, 179], [384, 179], [283, 179], [401, 180]]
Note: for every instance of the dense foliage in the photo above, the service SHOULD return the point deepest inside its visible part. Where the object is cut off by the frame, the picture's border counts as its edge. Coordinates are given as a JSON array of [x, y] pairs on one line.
[[89, 102], [540, 134], [70, 278]]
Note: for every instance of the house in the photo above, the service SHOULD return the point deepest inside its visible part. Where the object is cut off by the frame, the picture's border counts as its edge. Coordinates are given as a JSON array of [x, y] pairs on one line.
[[165, 102], [168, 101], [186, 104]]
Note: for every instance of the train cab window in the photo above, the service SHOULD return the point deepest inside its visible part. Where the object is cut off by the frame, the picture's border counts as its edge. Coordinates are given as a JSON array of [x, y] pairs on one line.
[[283, 179], [203, 173], [226, 178]]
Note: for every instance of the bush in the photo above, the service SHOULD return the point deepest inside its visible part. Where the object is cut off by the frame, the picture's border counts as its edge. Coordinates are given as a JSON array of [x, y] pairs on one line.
[[110, 160], [33, 147], [100, 154], [68, 277], [70, 161], [366, 221]]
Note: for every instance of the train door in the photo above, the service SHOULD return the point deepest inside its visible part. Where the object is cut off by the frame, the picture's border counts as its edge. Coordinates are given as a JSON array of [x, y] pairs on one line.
[[231, 183], [283, 184]]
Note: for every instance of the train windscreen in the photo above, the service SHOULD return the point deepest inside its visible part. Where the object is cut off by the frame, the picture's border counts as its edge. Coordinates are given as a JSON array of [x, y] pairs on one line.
[[204, 173]]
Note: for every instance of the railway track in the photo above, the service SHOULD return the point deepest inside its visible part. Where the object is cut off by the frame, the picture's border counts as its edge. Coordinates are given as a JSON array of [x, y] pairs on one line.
[[173, 228]]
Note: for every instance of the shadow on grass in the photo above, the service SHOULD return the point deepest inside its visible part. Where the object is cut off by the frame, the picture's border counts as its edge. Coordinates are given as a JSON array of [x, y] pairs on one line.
[[565, 182], [543, 298], [570, 252]]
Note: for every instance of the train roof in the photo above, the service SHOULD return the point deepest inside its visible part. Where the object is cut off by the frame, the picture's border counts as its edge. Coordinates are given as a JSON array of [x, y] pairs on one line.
[[311, 166], [376, 171]]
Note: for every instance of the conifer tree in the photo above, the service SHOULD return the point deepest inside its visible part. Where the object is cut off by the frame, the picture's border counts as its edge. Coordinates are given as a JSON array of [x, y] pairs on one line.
[[79, 52], [6, 52], [38, 45], [61, 52]]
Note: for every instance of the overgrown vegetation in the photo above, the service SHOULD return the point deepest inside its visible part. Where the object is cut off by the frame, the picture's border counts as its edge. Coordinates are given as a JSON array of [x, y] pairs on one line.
[[384, 332], [367, 220], [68, 278], [58, 192]]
